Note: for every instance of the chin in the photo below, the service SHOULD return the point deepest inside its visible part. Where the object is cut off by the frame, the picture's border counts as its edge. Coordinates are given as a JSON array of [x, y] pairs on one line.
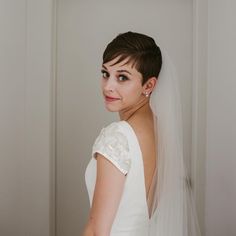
[[112, 109]]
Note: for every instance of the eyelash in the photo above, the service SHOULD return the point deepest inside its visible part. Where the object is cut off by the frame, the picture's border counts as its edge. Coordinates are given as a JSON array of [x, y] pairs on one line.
[[104, 72], [120, 75]]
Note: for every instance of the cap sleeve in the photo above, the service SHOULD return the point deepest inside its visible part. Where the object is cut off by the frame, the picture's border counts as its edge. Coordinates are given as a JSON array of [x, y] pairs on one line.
[[113, 145]]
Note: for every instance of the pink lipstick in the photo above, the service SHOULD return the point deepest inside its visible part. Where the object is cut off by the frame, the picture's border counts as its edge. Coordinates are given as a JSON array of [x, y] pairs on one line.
[[111, 99]]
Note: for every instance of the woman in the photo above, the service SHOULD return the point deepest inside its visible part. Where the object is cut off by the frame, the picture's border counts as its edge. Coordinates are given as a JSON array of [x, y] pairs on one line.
[[135, 179]]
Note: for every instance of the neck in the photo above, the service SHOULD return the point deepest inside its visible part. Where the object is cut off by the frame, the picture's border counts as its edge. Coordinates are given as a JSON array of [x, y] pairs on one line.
[[140, 109]]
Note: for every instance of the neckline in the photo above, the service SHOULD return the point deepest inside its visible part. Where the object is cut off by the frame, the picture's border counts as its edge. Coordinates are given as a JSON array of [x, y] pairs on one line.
[[140, 150]]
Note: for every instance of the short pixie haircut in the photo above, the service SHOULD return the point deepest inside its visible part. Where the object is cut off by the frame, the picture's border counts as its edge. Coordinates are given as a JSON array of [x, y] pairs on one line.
[[139, 49]]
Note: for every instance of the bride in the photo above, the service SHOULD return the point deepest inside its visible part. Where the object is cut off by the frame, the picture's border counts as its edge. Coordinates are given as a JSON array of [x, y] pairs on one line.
[[136, 178]]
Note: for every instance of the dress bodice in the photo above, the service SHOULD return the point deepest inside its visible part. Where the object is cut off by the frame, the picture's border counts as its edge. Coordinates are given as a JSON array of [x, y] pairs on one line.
[[119, 144]]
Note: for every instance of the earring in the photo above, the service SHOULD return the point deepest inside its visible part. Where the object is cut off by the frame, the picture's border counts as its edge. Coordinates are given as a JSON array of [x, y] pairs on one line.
[[146, 94]]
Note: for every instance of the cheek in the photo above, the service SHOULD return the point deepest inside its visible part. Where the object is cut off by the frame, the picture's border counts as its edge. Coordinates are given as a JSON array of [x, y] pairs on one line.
[[131, 92], [102, 84]]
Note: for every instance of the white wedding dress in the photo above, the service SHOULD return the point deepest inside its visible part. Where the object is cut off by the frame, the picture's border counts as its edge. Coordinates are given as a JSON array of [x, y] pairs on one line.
[[119, 144]]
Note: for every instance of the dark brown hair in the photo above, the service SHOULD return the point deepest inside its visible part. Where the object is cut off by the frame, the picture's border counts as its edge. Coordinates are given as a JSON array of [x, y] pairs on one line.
[[139, 49]]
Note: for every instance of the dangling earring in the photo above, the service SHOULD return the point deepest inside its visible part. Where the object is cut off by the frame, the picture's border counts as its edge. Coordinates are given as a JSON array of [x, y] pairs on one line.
[[146, 94]]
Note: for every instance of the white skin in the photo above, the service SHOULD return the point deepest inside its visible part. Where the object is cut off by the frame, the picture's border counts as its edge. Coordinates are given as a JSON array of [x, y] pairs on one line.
[[121, 81], [124, 82]]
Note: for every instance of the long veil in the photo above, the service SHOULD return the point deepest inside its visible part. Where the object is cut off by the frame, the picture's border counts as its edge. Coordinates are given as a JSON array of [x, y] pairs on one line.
[[172, 204]]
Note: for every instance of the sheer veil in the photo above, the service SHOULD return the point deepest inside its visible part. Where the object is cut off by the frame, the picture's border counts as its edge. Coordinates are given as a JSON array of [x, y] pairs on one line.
[[170, 200]]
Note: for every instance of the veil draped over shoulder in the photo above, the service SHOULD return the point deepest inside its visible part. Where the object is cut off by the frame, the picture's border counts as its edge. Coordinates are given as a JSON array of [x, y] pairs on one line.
[[170, 200]]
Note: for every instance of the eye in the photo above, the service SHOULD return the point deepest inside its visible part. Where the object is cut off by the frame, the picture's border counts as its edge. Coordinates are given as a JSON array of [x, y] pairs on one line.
[[105, 74], [122, 78]]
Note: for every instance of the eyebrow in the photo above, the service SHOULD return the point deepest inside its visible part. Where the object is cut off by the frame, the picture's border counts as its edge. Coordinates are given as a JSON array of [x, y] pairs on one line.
[[119, 70], [125, 71]]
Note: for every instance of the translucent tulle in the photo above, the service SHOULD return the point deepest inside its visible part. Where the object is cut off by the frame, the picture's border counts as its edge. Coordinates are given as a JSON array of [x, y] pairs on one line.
[[170, 200]]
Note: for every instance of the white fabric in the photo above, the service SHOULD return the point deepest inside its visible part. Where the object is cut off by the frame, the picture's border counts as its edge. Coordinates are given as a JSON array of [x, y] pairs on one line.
[[173, 206], [113, 144], [132, 218]]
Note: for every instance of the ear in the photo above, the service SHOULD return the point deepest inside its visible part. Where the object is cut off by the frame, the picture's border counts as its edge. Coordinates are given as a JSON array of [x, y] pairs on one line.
[[150, 84]]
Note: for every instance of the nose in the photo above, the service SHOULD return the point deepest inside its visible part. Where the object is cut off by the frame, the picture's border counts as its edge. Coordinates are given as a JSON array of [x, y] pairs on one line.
[[109, 84]]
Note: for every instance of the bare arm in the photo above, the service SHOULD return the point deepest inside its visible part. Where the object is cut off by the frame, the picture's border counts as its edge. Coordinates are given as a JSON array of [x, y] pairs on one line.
[[107, 195]]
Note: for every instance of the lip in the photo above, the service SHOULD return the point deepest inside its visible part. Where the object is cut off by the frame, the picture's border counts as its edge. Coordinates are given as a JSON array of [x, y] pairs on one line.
[[111, 99]]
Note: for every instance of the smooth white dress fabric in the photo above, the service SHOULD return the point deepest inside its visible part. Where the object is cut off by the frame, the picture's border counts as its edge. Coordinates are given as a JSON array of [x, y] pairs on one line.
[[119, 144]]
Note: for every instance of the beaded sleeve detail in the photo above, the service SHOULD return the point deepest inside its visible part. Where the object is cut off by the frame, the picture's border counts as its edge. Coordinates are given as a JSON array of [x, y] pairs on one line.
[[113, 145]]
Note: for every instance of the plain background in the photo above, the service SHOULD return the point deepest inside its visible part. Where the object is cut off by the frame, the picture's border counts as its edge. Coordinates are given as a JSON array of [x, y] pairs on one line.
[[26, 113], [29, 149]]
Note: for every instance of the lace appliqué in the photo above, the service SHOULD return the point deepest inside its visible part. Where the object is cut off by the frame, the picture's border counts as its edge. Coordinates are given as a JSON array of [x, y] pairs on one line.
[[113, 145]]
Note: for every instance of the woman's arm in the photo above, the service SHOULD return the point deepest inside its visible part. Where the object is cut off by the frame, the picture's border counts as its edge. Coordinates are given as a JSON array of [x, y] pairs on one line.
[[107, 195]]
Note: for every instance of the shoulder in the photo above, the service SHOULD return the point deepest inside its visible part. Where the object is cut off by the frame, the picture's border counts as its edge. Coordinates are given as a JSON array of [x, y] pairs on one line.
[[114, 127], [114, 132], [112, 143]]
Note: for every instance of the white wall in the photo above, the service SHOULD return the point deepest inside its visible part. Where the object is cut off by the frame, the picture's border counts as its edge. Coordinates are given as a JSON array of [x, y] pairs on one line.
[[221, 119], [198, 154], [25, 117]]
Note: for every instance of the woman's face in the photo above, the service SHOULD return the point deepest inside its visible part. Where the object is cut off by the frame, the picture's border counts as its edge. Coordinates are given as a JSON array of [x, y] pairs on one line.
[[121, 85]]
